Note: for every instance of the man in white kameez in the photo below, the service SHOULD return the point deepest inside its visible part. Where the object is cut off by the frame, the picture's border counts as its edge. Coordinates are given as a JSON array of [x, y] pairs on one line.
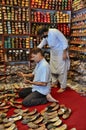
[[59, 59]]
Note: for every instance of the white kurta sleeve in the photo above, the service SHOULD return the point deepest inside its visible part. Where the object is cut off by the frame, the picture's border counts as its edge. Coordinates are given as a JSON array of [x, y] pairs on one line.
[[43, 43]]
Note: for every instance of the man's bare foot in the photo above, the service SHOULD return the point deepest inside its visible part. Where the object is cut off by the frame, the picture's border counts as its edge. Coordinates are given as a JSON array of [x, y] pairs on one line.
[[54, 85], [51, 99], [61, 90]]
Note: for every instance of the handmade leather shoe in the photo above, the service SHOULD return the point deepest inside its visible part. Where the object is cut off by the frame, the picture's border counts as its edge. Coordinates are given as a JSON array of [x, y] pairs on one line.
[[12, 127], [32, 125], [8, 124], [56, 107], [54, 119], [57, 123], [15, 118], [62, 127], [50, 116], [53, 104], [67, 114], [32, 112], [3, 115], [21, 110], [42, 127], [38, 120]]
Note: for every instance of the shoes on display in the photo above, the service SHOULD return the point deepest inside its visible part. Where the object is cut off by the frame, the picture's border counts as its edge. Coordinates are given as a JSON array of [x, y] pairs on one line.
[[67, 114]]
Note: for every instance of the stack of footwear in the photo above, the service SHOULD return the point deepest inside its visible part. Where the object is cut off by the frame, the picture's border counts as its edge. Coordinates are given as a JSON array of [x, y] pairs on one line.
[[51, 118]]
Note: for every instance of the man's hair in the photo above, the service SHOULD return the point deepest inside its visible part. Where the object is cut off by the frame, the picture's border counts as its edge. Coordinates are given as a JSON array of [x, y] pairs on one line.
[[42, 29], [37, 50]]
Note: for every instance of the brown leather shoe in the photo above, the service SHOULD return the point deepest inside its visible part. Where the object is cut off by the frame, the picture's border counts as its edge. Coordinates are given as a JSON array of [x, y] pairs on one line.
[[67, 114]]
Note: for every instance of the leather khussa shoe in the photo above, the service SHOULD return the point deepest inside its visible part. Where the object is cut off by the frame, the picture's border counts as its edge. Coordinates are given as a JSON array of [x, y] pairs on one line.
[[38, 120], [32, 112], [21, 110], [15, 118], [57, 123], [12, 127], [62, 127], [67, 114], [32, 125]]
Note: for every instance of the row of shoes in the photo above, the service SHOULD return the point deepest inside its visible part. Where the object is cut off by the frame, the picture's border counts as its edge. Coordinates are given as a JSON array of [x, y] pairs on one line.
[[51, 118], [12, 86], [77, 87], [11, 73], [48, 119], [77, 72]]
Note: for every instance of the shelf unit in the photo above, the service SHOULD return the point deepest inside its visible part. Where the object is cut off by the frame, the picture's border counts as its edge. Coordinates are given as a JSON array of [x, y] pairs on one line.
[[54, 14], [78, 44], [19, 22], [14, 34]]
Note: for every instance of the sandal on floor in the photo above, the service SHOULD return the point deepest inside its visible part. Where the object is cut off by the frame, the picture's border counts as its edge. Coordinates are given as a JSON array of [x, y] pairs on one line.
[[15, 118], [21, 110], [12, 127], [62, 110], [54, 119], [32, 112], [67, 114], [32, 125], [57, 123], [62, 127], [8, 124], [38, 120]]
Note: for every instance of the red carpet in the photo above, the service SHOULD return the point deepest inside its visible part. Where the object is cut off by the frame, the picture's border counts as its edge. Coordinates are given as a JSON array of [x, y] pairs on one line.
[[70, 99]]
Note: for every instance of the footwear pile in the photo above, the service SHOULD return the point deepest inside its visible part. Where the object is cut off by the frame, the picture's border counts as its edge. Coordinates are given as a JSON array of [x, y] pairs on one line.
[[51, 118]]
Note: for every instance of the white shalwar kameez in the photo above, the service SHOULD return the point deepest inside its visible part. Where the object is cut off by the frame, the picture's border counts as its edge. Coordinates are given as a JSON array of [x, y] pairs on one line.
[[57, 43]]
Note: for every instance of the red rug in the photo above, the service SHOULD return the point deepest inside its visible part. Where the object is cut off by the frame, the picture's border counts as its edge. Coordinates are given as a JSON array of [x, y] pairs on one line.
[[70, 99]]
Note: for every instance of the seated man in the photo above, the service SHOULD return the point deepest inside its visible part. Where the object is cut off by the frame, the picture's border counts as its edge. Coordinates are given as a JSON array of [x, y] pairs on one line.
[[39, 93]]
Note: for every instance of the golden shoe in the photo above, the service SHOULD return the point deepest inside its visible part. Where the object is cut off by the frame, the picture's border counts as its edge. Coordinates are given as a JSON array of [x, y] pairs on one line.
[[51, 116], [52, 105], [32, 112], [32, 125], [62, 127], [54, 119], [21, 110], [8, 124], [66, 114], [57, 123], [15, 118], [51, 113], [38, 120], [56, 107], [12, 127]]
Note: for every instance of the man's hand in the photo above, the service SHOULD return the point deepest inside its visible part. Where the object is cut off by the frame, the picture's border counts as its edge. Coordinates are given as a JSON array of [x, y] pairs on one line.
[[20, 74], [65, 55], [27, 81]]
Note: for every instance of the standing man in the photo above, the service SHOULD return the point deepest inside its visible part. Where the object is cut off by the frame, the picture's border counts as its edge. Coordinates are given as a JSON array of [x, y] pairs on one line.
[[39, 93], [59, 59]]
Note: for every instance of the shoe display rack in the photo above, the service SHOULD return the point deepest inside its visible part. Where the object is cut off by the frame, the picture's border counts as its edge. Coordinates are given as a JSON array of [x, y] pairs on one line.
[[51, 13], [19, 22], [78, 43], [14, 34]]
